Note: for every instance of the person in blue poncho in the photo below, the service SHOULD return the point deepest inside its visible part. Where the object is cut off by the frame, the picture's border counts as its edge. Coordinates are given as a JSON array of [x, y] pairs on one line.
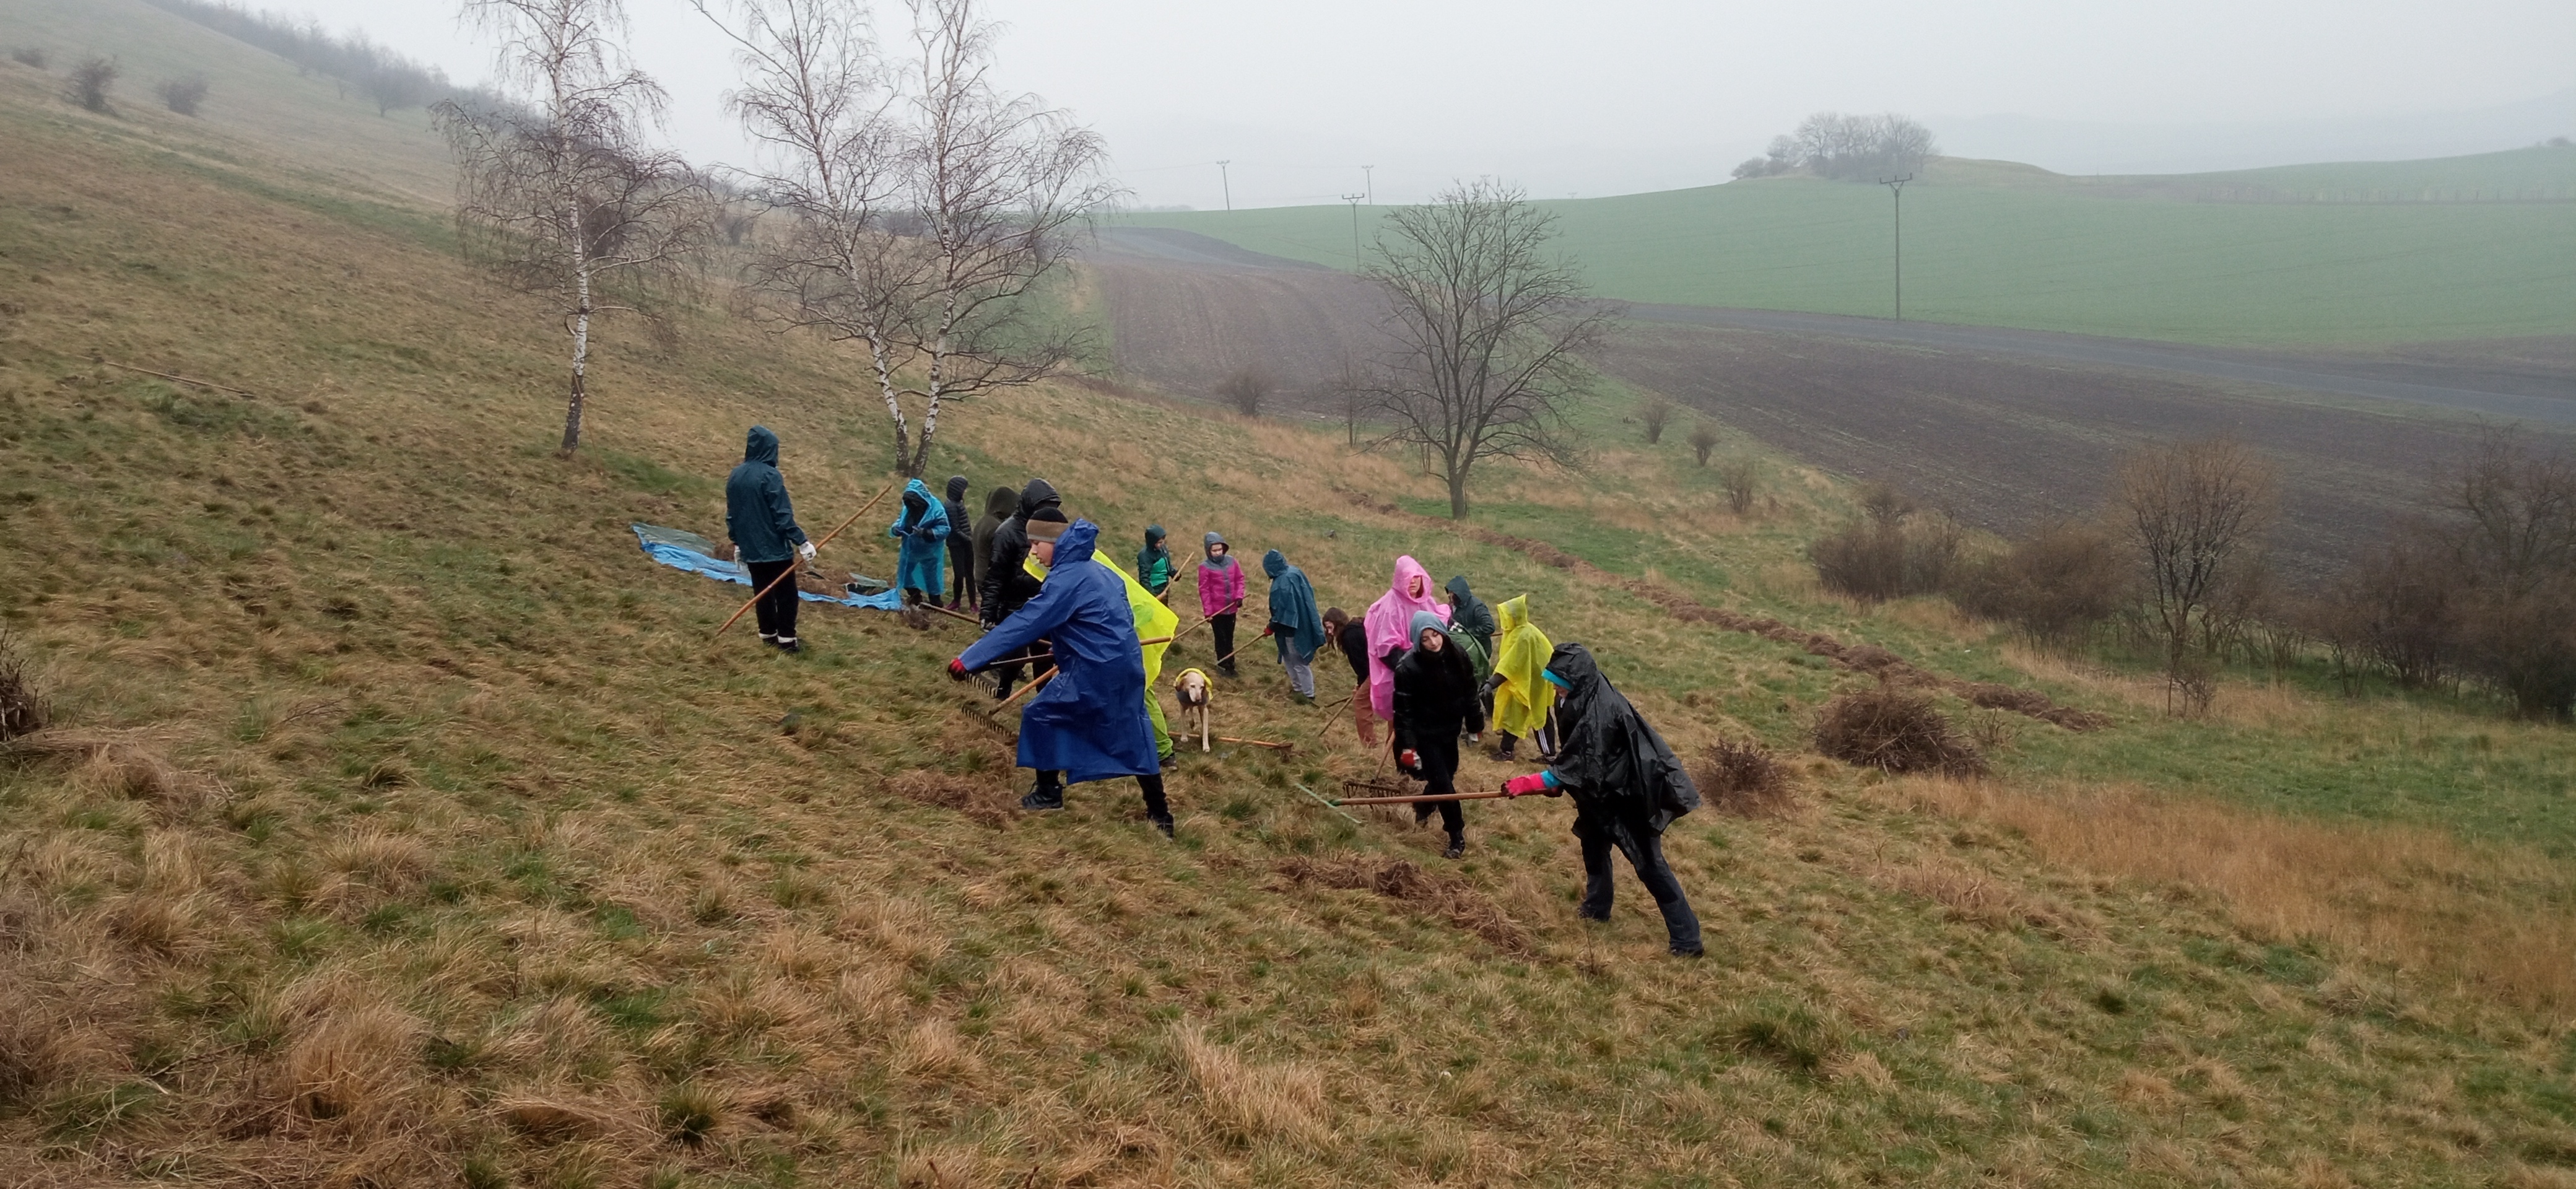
[[923, 529], [1090, 722], [1294, 622]]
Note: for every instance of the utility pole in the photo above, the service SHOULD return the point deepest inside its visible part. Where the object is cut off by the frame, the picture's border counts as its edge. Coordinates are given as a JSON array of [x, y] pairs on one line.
[[1354, 200], [1226, 180], [1896, 187], [1368, 175]]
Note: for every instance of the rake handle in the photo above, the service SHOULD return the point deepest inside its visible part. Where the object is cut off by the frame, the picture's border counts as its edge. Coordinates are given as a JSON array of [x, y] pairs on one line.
[[791, 560], [1419, 800]]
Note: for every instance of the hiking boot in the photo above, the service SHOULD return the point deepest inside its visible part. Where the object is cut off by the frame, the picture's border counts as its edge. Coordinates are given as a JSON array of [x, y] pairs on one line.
[[1586, 913], [1163, 823], [1505, 751], [1043, 798], [790, 646], [1691, 951], [1457, 847], [1302, 699], [770, 638], [1228, 669]]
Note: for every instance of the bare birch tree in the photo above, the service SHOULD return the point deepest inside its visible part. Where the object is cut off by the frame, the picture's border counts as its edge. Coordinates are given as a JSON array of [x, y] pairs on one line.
[[562, 196], [1489, 332], [923, 204]]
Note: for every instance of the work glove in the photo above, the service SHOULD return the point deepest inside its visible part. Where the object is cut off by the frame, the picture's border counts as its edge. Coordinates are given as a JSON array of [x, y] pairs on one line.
[[1407, 760], [957, 669], [806, 550], [1522, 786]]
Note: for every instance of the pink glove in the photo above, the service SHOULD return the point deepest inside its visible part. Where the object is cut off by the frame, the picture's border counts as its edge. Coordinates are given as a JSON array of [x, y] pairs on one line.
[[1522, 786]]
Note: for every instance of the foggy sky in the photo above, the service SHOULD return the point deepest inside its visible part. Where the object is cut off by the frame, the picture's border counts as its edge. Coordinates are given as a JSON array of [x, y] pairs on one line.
[[1616, 96]]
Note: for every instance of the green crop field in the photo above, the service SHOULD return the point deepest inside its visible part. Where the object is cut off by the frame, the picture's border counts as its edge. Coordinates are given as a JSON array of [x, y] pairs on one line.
[[2468, 247]]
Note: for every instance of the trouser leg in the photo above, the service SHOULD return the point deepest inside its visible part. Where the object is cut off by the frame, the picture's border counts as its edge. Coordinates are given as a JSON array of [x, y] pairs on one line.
[[1440, 768], [1363, 719], [1301, 674], [1596, 875], [1681, 925], [1223, 625], [1157, 808], [1162, 730], [762, 574]]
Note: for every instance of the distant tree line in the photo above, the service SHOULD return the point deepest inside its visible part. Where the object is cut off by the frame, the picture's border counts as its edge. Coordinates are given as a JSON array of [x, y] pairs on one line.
[[1831, 144], [386, 78], [2474, 589]]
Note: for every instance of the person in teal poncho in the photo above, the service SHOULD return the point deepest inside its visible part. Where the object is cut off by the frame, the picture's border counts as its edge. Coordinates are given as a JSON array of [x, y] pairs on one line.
[[1294, 622], [923, 529]]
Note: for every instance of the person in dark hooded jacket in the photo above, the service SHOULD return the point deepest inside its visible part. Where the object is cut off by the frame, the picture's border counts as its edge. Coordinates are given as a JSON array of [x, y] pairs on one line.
[[1627, 788], [999, 505], [961, 547], [1294, 623], [1435, 701], [766, 539], [1474, 620], [1091, 722], [1009, 585], [1154, 563]]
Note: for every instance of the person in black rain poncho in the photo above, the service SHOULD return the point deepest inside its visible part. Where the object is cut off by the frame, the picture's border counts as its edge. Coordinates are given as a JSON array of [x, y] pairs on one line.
[[1435, 700], [1627, 788]]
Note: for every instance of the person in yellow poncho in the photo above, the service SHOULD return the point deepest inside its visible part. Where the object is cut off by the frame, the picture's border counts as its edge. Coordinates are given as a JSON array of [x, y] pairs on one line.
[[1154, 621], [1523, 698]]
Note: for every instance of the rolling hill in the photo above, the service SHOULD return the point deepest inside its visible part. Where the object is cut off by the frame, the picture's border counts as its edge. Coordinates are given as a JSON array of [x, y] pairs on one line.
[[2355, 254]]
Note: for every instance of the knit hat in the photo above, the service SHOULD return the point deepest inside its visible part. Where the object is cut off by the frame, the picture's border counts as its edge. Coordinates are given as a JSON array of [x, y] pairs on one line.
[[1047, 524]]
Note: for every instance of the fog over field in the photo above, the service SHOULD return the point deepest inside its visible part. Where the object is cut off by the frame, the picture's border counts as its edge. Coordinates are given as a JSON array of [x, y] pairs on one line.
[[1635, 95]]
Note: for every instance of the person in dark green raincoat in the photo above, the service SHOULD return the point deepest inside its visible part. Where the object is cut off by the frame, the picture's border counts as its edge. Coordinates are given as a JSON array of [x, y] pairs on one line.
[[1294, 622], [1475, 621]]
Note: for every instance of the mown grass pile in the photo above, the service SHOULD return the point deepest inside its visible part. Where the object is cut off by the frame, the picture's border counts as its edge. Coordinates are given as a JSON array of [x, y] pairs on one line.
[[401, 824]]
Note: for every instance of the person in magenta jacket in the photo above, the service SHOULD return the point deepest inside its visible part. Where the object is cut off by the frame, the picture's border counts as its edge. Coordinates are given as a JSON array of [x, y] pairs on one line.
[[1220, 596]]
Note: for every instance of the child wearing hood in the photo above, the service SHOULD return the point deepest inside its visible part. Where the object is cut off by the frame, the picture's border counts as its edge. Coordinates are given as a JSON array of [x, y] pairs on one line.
[[961, 546], [923, 529], [1389, 625], [1435, 701], [1220, 596], [1154, 562], [1000, 504], [766, 539], [1294, 623], [1522, 697], [1627, 789]]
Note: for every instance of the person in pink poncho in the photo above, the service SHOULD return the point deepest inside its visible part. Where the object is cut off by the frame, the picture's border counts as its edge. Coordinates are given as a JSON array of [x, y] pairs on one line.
[[1389, 623]]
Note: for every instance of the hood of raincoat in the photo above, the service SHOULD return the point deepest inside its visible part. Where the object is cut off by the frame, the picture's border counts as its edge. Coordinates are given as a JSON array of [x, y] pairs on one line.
[[916, 498], [957, 488], [1038, 494], [760, 445], [1292, 603], [1608, 752], [1153, 536], [1001, 502], [1467, 611], [1091, 721], [1423, 620], [1521, 695], [1389, 619], [1211, 541]]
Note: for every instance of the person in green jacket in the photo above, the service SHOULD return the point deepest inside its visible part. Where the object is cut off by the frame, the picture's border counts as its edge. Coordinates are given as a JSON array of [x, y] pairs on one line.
[[1475, 621], [1154, 563]]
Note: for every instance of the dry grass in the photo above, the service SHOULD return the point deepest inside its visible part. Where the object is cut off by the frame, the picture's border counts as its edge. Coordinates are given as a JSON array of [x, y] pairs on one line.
[[2497, 918], [1247, 1101]]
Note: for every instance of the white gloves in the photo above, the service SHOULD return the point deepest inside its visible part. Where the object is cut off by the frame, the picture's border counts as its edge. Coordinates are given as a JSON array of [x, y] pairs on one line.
[[807, 550]]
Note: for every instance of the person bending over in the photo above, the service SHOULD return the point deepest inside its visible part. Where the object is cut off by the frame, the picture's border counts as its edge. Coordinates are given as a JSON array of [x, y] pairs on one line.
[[1090, 722], [1627, 789]]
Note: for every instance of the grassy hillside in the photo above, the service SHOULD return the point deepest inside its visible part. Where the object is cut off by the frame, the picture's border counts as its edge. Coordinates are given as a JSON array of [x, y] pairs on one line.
[[403, 825], [256, 102], [2340, 254]]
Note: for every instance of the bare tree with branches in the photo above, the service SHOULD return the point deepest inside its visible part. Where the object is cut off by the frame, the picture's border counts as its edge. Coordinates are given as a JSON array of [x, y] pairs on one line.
[[923, 204], [561, 195], [2197, 513], [1489, 331]]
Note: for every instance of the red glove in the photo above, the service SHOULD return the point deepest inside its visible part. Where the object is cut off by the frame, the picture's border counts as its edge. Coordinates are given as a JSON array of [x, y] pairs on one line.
[[957, 669], [1407, 760], [1522, 786]]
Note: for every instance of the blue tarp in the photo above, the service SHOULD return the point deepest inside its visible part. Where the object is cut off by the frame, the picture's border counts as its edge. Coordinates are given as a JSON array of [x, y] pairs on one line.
[[661, 545]]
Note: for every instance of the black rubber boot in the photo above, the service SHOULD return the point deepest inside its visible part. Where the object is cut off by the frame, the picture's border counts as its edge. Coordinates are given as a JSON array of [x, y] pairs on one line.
[[1047, 795]]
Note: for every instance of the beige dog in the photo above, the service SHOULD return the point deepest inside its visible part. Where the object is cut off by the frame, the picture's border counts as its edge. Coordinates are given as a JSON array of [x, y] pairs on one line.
[[1195, 693]]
